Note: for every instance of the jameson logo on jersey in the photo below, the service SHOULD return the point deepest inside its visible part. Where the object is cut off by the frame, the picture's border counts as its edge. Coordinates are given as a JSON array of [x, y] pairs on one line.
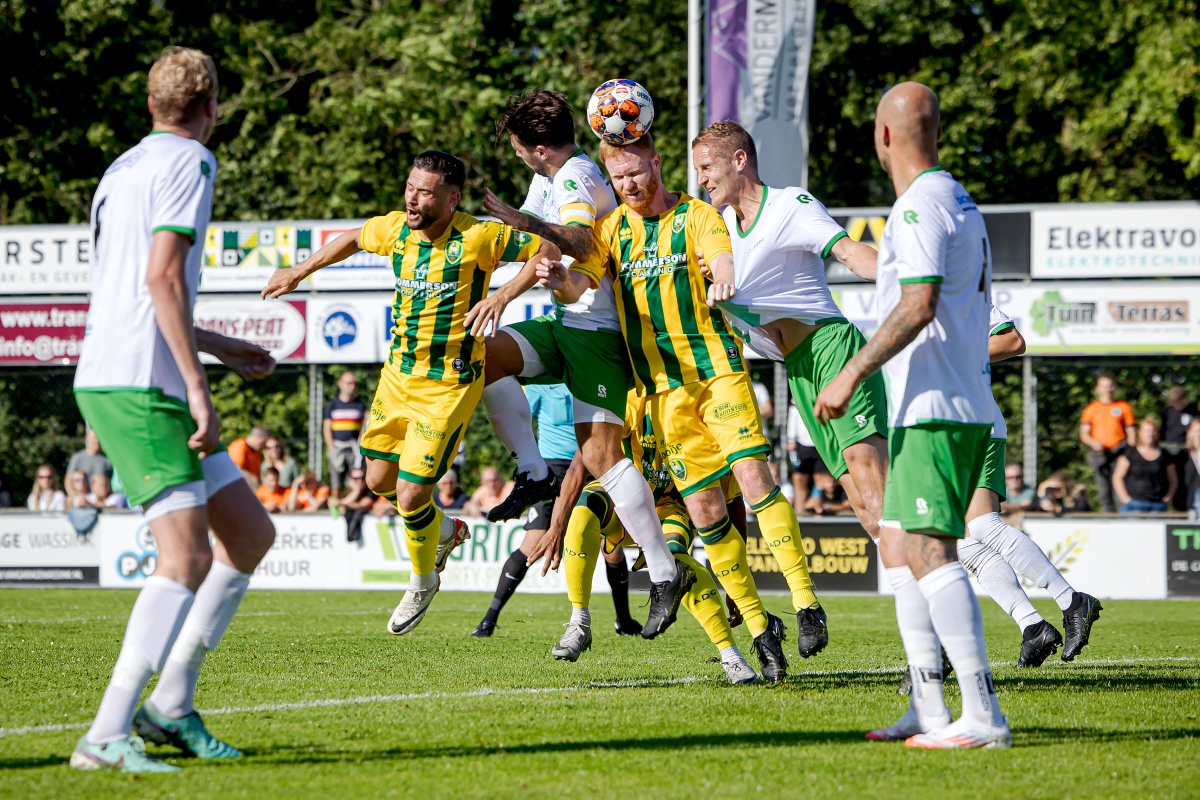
[[673, 337], [437, 283]]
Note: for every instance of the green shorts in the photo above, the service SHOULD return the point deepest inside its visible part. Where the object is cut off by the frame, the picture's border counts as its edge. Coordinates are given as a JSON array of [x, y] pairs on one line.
[[144, 433], [811, 367], [935, 468], [993, 468], [593, 364]]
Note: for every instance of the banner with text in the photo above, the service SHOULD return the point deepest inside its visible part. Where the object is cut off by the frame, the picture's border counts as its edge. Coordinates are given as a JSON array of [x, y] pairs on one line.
[[44, 548], [1127, 240]]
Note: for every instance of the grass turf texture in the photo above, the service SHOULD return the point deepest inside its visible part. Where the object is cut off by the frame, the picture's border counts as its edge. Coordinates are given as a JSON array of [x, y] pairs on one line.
[[1123, 720]]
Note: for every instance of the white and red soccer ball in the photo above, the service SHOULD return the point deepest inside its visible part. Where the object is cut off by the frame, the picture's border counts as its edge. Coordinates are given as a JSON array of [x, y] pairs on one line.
[[620, 111]]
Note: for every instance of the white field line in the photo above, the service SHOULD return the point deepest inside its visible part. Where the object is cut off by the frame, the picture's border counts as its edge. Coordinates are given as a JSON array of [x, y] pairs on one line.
[[643, 684], [99, 617]]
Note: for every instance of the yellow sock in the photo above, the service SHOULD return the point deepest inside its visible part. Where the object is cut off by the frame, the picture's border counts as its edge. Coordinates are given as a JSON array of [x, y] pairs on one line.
[[422, 529], [703, 601], [581, 551], [391, 498], [781, 531], [727, 553]]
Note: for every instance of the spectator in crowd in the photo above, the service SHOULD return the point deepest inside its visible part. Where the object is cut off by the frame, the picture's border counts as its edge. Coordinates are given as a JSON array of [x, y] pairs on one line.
[[343, 425], [6, 500], [1106, 427], [492, 489], [1177, 416], [1019, 495], [356, 504], [1191, 466], [46, 496], [828, 496], [449, 497], [271, 493], [1060, 495], [802, 459], [77, 489], [102, 495], [1145, 479], [308, 494], [91, 459], [275, 455], [247, 453]]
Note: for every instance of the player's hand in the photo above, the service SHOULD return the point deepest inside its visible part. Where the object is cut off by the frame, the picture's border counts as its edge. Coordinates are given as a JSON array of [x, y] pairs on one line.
[[502, 211], [834, 399], [283, 281], [551, 548], [247, 359], [719, 293], [208, 426], [486, 314], [551, 274], [704, 269]]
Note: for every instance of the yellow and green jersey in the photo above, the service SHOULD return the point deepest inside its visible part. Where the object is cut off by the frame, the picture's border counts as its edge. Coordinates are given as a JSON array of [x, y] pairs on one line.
[[673, 337], [437, 283]]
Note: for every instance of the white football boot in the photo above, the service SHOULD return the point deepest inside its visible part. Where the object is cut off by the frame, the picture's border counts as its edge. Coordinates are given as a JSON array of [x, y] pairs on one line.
[[963, 735], [412, 608], [738, 671], [906, 727]]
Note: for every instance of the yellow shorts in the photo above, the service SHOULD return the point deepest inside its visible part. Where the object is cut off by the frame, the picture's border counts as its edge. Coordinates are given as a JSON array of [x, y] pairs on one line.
[[417, 423], [705, 427]]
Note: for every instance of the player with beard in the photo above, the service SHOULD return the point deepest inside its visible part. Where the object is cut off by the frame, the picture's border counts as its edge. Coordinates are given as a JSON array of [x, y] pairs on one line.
[[688, 364], [433, 378]]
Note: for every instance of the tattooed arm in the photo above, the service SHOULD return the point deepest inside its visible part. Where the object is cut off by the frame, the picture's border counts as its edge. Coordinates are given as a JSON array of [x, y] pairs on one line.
[[574, 240], [918, 303]]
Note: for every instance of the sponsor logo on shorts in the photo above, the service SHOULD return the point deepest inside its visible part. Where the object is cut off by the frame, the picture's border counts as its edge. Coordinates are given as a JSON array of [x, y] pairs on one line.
[[729, 410], [428, 460], [377, 412], [861, 419], [745, 433], [601, 390], [428, 432], [922, 506], [678, 469]]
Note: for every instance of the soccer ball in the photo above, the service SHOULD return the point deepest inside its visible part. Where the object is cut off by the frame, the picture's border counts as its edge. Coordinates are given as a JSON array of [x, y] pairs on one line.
[[620, 111]]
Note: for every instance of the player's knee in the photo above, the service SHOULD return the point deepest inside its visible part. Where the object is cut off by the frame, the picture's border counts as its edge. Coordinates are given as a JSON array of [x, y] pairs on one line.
[[754, 476], [600, 454], [411, 496], [380, 482]]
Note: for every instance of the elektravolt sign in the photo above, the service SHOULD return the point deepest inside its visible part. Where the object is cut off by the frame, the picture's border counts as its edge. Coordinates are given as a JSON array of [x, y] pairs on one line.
[[1128, 240]]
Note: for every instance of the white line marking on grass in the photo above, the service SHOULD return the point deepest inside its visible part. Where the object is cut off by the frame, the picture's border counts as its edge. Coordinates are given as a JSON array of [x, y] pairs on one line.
[[642, 684]]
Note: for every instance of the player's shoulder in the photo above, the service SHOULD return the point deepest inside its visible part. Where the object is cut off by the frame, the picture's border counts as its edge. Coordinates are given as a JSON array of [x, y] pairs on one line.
[[474, 229], [578, 167], [998, 321], [178, 152], [938, 193]]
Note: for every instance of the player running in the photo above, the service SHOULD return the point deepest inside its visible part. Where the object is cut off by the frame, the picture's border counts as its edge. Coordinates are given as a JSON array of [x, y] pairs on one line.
[[776, 297], [142, 389], [431, 383], [579, 345], [690, 368], [934, 284]]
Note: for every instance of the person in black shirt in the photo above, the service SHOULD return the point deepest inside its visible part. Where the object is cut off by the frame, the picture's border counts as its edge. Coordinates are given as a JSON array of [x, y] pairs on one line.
[[1145, 479], [344, 417], [1177, 416]]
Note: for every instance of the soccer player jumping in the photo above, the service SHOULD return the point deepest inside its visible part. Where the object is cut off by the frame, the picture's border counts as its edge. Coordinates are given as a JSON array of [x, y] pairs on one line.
[[934, 287]]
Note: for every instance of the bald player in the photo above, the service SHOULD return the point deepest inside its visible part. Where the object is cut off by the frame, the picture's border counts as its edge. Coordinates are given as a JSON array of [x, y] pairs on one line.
[[934, 286]]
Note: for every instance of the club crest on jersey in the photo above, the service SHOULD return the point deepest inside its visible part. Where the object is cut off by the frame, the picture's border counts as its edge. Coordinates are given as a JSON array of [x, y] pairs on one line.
[[677, 469], [678, 223], [454, 252], [458, 364], [732, 352]]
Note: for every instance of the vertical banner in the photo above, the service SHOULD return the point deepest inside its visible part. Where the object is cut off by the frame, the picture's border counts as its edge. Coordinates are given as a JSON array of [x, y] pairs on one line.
[[757, 74]]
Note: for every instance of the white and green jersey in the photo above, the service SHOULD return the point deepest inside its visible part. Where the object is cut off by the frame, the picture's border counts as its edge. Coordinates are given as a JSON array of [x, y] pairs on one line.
[[779, 265], [998, 322], [165, 183], [578, 194], [935, 234]]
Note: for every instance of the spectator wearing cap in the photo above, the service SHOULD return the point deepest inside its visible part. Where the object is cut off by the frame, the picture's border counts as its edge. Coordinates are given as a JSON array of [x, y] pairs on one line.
[[91, 459], [1106, 427], [247, 453]]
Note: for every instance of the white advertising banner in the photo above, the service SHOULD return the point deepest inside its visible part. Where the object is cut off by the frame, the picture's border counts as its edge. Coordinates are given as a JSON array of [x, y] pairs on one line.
[[1127, 240], [44, 259], [44, 548], [276, 325]]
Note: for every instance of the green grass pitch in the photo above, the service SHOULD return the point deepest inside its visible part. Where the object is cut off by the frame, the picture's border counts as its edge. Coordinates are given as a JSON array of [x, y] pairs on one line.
[[458, 717]]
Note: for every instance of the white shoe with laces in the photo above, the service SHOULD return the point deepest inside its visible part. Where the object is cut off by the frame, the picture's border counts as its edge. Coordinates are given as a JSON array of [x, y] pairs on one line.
[[963, 735], [572, 644], [460, 533], [738, 671], [412, 608]]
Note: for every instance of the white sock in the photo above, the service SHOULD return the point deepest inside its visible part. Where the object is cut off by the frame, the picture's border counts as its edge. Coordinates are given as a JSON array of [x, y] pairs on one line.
[[959, 625], [217, 600], [998, 578], [446, 532], [634, 503], [154, 624], [422, 583], [921, 647], [731, 654], [581, 616], [508, 410], [1023, 554]]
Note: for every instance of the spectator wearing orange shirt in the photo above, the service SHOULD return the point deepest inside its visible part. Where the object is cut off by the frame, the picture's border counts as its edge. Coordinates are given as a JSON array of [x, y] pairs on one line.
[[247, 453], [272, 496], [308, 494], [1106, 427]]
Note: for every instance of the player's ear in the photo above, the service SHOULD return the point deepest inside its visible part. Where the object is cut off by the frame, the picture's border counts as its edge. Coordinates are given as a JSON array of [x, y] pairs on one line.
[[939, 134], [150, 105]]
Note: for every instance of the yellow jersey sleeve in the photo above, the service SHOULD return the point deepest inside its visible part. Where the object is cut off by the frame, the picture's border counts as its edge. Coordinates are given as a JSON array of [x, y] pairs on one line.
[[707, 230], [378, 234], [600, 259]]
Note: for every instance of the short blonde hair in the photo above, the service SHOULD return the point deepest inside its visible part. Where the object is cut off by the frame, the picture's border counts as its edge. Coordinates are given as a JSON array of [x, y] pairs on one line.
[[644, 144], [181, 82], [725, 138]]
